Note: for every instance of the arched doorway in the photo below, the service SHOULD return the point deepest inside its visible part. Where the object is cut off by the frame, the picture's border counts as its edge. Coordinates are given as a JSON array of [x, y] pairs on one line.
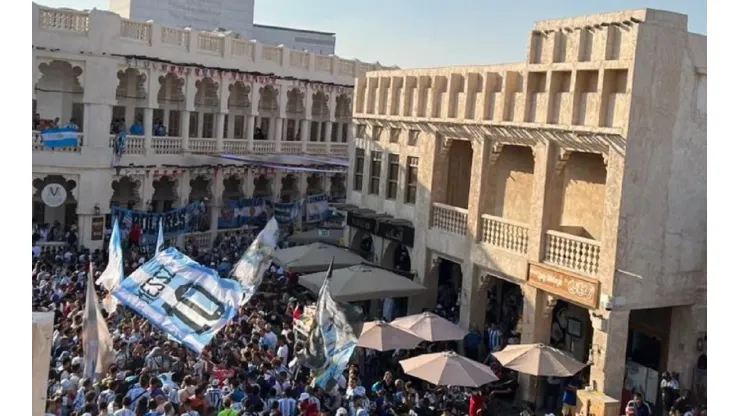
[[200, 191], [165, 196], [262, 187], [289, 191], [362, 242], [59, 93], [58, 215]]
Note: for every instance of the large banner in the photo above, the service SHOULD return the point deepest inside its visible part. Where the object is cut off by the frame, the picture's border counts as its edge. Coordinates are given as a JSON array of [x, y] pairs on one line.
[[235, 214], [333, 336], [188, 301], [317, 208], [175, 222]]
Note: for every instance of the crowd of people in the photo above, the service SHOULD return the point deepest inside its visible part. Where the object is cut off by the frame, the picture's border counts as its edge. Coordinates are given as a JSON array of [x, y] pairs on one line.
[[251, 367]]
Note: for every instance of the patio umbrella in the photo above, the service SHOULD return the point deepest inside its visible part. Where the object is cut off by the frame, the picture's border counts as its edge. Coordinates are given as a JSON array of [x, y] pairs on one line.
[[430, 327], [538, 360], [448, 369], [362, 282], [318, 235], [314, 258], [381, 336]]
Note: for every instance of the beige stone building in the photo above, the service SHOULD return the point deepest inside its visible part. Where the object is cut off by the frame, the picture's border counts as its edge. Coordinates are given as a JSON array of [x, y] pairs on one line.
[[577, 177]]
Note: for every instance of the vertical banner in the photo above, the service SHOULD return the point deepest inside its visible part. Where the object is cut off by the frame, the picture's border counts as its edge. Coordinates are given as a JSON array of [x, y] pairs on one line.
[[255, 261], [317, 208], [43, 329], [97, 231]]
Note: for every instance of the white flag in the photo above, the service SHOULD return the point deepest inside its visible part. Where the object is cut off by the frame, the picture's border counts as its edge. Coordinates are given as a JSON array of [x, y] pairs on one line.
[[97, 344], [160, 238], [250, 268], [113, 273]]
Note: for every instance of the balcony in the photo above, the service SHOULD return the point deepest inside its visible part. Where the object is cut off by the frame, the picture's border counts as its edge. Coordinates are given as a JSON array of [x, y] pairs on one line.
[[571, 252], [450, 219], [137, 145], [503, 233]]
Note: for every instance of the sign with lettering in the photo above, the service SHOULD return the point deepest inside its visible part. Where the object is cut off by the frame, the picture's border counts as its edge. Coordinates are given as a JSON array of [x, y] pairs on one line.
[[577, 289], [97, 231], [54, 195], [382, 228]]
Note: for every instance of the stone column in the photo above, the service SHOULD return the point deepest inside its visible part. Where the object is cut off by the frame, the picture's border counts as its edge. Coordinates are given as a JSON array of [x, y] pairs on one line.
[[536, 324], [216, 201], [327, 131], [220, 121], [185, 128], [250, 132], [544, 180], [473, 299], [609, 352], [148, 128], [278, 129], [276, 184], [231, 129]]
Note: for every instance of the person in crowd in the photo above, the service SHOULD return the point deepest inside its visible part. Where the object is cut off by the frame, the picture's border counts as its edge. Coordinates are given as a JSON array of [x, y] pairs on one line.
[[137, 129], [638, 407], [159, 129]]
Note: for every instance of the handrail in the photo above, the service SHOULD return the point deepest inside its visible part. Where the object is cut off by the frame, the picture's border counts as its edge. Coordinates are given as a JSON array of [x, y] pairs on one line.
[[450, 207], [573, 237], [504, 220]]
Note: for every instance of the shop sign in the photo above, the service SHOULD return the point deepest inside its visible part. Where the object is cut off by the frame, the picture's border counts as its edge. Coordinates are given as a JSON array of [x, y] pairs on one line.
[[577, 289], [395, 232], [98, 228], [53, 195]]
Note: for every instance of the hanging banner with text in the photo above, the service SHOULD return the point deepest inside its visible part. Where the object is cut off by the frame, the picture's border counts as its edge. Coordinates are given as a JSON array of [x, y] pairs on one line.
[[175, 222]]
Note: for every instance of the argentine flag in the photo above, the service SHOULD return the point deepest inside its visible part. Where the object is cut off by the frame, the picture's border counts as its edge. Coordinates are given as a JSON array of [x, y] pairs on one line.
[[60, 137], [160, 238], [113, 274]]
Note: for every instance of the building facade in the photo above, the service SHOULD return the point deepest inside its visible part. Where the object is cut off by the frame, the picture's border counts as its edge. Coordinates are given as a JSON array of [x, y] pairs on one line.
[[236, 16], [233, 15], [210, 94], [577, 177], [320, 43]]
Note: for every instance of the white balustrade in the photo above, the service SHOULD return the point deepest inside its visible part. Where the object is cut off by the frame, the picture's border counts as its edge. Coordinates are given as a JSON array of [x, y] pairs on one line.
[[291, 148], [202, 240], [167, 145], [316, 148], [67, 20], [175, 37], [338, 149], [263, 146], [135, 145], [572, 252], [210, 42], [136, 30], [507, 234], [236, 146], [203, 146], [450, 219]]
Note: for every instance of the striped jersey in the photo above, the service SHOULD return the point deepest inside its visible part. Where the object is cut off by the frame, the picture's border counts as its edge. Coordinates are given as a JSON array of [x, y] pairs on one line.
[[495, 339], [214, 396], [288, 406]]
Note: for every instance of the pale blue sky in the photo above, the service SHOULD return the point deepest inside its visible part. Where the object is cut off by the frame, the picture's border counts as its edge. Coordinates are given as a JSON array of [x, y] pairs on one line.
[[429, 33]]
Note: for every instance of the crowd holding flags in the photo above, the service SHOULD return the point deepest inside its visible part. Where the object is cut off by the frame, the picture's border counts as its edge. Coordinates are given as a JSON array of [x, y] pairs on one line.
[[171, 281]]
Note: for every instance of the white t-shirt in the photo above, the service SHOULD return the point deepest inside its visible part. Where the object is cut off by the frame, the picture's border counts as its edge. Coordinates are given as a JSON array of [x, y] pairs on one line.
[[282, 352]]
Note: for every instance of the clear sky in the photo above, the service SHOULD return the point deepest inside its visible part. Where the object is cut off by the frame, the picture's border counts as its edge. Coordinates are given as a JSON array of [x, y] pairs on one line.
[[429, 33]]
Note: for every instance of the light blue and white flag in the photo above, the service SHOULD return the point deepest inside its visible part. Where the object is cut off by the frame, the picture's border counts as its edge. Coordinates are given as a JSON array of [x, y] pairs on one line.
[[97, 343], [255, 261], [60, 137], [188, 301], [337, 324], [288, 212], [317, 208], [113, 273], [160, 238]]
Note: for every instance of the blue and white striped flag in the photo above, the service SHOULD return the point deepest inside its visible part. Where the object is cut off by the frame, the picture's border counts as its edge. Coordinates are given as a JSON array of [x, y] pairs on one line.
[[188, 301], [254, 262], [113, 273], [160, 238], [97, 344], [337, 324], [60, 137]]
